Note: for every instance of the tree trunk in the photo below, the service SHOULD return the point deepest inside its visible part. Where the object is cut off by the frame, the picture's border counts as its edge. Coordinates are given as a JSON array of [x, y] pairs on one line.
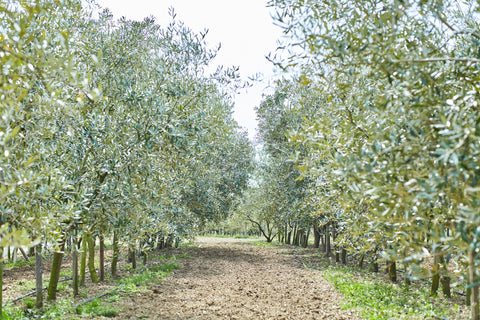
[[468, 297], [1, 282], [55, 274], [305, 238], [168, 244], [161, 244], [102, 259], [132, 257], [406, 277], [83, 260], [25, 256], [327, 241], [475, 315], [435, 275], [360, 263], [344, 256], [115, 254], [316, 235], [322, 238], [38, 276], [335, 246], [392, 271], [446, 286], [375, 261], [68, 245], [129, 255], [295, 236], [91, 258], [74, 266]]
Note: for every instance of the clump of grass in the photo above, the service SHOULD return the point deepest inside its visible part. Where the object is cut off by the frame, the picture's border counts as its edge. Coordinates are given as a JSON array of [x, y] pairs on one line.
[[213, 235], [97, 309], [264, 243], [20, 263], [237, 236], [12, 313], [61, 309], [137, 282], [25, 285], [377, 299], [186, 244], [66, 273], [166, 267], [244, 236], [29, 302], [170, 258]]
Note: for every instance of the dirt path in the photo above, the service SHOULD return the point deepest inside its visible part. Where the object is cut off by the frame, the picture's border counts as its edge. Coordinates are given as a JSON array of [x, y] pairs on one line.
[[231, 279]]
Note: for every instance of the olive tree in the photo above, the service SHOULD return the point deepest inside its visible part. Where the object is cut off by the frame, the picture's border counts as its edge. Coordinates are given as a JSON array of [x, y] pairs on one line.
[[417, 167]]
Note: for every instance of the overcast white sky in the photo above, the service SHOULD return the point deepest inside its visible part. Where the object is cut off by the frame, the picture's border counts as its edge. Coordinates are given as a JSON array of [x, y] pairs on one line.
[[244, 28]]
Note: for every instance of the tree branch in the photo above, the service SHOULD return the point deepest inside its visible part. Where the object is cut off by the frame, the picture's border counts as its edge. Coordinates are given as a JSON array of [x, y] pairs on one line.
[[259, 227], [464, 59], [352, 121]]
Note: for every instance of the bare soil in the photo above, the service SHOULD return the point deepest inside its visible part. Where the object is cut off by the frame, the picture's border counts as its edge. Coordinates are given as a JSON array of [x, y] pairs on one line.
[[232, 279]]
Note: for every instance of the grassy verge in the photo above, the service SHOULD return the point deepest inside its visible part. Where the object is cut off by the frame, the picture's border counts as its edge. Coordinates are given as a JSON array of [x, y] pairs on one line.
[[265, 243], [375, 298], [228, 236], [20, 263], [64, 308]]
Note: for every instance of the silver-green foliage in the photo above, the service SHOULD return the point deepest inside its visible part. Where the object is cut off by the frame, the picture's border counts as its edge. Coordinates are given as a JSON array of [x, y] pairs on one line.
[[397, 133], [112, 125]]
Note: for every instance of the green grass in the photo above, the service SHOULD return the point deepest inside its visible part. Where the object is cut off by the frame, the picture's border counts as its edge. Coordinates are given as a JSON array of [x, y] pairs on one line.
[[138, 282], [186, 244], [20, 263], [12, 313], [97, 309], [245, 237], [264, 243], [165, 268], [62, 309], [66, 273], [29, 302], [377, 299], [151, 275], [64, 306], [213, 235], [239, 236], [184, 255], [25, 285]]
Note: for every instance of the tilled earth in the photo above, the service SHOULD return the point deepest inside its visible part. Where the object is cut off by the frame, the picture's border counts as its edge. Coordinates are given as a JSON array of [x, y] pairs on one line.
[[230, 279]]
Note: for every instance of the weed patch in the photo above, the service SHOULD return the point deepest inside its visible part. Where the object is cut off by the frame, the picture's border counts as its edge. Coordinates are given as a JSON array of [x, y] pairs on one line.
[[377, 299], [97, 309], [20, 263], [264, 243], [65, 307], [151, 275]]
